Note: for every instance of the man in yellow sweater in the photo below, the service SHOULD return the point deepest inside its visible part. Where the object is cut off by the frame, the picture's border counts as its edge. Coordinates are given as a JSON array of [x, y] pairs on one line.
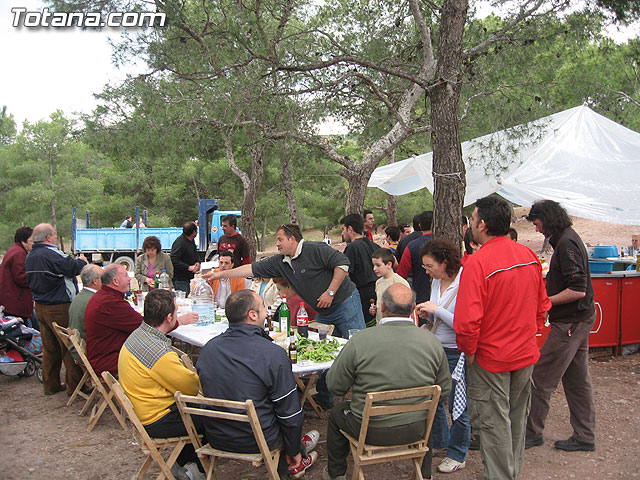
[[151, 372]]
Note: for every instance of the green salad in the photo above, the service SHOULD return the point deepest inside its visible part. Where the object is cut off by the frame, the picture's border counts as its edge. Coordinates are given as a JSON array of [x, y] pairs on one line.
[[317, 351]]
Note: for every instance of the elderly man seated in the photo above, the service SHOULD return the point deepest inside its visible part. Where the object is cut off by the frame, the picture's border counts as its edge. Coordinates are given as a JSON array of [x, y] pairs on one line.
[[109, 320], [396, 354], [91, 283], [224, 287], [254, 367], [150, 374]]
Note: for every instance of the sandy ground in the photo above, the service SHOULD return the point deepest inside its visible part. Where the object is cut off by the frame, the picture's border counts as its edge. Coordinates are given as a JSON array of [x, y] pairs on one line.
[[44, 439]]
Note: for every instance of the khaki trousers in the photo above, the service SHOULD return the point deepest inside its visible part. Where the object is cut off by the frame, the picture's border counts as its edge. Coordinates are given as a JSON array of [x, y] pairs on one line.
[[54, 352], [565, 357], [498, 405]]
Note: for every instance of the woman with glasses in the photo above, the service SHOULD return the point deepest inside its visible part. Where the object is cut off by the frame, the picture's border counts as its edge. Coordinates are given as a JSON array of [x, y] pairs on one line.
[[441, 260]]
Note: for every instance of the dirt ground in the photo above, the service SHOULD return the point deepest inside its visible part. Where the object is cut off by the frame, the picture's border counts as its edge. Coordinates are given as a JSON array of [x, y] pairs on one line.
[[44, 439]]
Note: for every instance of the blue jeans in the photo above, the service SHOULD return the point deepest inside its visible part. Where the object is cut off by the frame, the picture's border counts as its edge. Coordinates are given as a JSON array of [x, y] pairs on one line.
[[182, 285], [456, 438], [346, 316]]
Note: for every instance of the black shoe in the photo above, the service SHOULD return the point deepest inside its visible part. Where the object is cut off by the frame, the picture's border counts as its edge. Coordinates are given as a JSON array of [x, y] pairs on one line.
[[573, 445], [321, 402], [533, 442], [475, 443]]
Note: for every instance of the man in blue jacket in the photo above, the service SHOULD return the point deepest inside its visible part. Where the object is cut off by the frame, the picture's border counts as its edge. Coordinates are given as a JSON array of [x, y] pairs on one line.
[[51, 274], [256, 368]]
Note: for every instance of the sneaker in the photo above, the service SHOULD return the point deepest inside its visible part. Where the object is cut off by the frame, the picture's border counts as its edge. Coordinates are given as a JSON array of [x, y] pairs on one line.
[[449, 465], [304, 465], [310, 440], [193, 472], [179, 473], [326, 476], [573, 445], [533, 442]]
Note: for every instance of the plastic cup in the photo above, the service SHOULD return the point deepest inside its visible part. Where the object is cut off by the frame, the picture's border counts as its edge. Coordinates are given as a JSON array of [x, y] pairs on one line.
[[323, 330], [139, 299], [353, 331]]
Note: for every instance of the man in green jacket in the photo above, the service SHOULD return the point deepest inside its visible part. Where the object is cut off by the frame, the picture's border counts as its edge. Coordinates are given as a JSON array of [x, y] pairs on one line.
[[394, 355], [91, 283]]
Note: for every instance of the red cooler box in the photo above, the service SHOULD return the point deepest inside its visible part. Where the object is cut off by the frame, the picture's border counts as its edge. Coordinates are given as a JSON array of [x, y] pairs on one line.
[[606, 330], [630, 310]]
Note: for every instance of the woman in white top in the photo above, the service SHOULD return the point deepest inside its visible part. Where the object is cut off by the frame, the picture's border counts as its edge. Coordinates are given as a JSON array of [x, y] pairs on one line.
[[441, 260]]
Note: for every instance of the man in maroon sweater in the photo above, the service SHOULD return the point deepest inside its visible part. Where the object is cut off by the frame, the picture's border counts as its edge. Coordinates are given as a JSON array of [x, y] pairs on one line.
[[109, 320]]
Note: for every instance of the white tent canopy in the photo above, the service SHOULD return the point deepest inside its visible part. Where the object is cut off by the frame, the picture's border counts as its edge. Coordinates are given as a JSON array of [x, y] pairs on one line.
[[588, 163]]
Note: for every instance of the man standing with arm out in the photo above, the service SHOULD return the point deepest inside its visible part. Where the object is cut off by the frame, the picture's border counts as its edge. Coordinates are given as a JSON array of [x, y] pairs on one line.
[[255, 368], [184, 256], [394, 355], [233, 242], [91, 283], [51, 274], [316, 272], [501, 305], [565, 353]]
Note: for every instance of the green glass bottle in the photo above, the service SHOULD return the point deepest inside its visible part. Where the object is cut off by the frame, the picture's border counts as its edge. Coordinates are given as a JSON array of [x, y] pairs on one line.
[[285, 317]]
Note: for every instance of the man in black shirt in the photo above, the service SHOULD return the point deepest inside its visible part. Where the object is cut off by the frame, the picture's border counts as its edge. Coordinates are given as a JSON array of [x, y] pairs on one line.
[[565, 354], [184, 256], [358, 251]]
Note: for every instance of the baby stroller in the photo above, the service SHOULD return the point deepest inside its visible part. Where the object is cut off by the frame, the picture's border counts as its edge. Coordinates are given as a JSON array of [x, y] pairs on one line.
[[20, 349]]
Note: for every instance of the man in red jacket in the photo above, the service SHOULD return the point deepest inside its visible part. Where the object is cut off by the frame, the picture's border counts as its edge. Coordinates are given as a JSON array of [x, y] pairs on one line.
[[501, 305], [15, 294]]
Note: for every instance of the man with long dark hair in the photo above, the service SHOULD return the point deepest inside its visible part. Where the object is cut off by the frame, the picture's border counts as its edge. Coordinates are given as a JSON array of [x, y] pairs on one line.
[[565, 354]]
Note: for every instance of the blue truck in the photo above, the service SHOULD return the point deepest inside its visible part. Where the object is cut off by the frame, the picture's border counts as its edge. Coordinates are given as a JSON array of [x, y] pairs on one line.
[[123, 245]]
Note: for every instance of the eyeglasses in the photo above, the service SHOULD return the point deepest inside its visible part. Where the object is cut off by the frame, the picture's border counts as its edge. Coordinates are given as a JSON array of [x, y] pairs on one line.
[[428, 267]]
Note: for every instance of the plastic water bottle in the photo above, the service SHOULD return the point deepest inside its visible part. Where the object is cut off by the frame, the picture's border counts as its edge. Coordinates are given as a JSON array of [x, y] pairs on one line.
[[302, 320], [164, 280], [202, 302]]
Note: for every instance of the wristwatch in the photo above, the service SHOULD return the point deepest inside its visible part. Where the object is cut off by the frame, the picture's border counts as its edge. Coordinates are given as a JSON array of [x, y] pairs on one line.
[[331, 292]]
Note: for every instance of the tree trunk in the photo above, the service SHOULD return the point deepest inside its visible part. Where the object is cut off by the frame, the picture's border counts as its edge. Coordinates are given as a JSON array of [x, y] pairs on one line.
[[264, 235], [251, 185], [357, 180], [448, 168], [52, 203], [285, 177], [391, 212]]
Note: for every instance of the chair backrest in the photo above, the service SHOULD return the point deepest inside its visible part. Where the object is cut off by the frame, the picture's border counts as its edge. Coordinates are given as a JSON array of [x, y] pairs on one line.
[[212, 407], [425, 398], [81, 349], [63, 333]]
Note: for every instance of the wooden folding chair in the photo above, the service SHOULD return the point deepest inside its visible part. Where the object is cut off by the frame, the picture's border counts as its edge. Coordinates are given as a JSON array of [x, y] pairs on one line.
[[365, 454], [98, 409], [150, 446], [218, 408], [63, 334]]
